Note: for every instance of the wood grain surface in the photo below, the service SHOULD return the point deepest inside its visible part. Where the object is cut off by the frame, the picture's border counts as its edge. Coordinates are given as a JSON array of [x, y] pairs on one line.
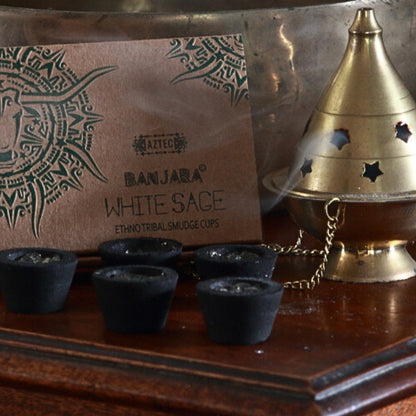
[[341, 349]]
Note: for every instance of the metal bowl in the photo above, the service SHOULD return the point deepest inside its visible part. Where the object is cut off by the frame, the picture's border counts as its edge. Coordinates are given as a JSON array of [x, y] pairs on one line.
[[291, 47]]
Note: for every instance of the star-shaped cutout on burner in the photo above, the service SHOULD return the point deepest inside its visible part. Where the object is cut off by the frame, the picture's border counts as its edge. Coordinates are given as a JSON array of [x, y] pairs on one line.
[[306, 167], [372, 171], [340, 138], [402, 131]]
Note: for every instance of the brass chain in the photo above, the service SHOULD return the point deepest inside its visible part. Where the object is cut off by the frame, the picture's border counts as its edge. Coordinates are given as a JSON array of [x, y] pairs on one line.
[[295, 249]]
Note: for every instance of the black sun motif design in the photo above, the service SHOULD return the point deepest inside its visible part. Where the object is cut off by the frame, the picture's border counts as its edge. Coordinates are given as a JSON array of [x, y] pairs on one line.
[[47, 125], [218, 60]]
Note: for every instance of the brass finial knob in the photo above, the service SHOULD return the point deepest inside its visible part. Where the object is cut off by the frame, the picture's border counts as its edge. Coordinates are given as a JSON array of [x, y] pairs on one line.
[[365, 23]]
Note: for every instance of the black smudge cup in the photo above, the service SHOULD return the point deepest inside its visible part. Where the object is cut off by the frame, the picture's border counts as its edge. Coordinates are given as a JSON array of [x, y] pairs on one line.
[[142, 250], [234, 260], [135, 298], [239, 310], [36, 280]]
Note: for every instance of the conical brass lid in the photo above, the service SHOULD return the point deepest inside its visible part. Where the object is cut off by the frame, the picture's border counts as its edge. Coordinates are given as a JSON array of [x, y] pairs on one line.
[[360, 142]]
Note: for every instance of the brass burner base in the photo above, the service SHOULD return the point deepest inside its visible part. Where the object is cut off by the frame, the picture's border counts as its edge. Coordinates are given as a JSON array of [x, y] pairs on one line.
[[385, 264]]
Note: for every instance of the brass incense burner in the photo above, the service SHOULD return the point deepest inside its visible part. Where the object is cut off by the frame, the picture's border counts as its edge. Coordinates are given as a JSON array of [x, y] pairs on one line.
[[359, 147]]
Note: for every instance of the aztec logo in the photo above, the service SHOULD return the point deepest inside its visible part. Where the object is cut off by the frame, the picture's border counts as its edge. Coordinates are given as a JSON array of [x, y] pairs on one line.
[[47, 131]]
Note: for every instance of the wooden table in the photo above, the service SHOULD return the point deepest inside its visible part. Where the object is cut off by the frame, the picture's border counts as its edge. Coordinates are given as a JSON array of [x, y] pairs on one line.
[[341, 349]]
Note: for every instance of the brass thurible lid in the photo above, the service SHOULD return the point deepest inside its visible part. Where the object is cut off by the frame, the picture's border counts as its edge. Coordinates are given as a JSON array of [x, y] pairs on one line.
[[360, 141]]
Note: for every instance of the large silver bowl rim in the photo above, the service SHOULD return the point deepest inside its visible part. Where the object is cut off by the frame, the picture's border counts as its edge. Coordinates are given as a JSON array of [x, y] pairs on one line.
[[225, 8], [276, 182]]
